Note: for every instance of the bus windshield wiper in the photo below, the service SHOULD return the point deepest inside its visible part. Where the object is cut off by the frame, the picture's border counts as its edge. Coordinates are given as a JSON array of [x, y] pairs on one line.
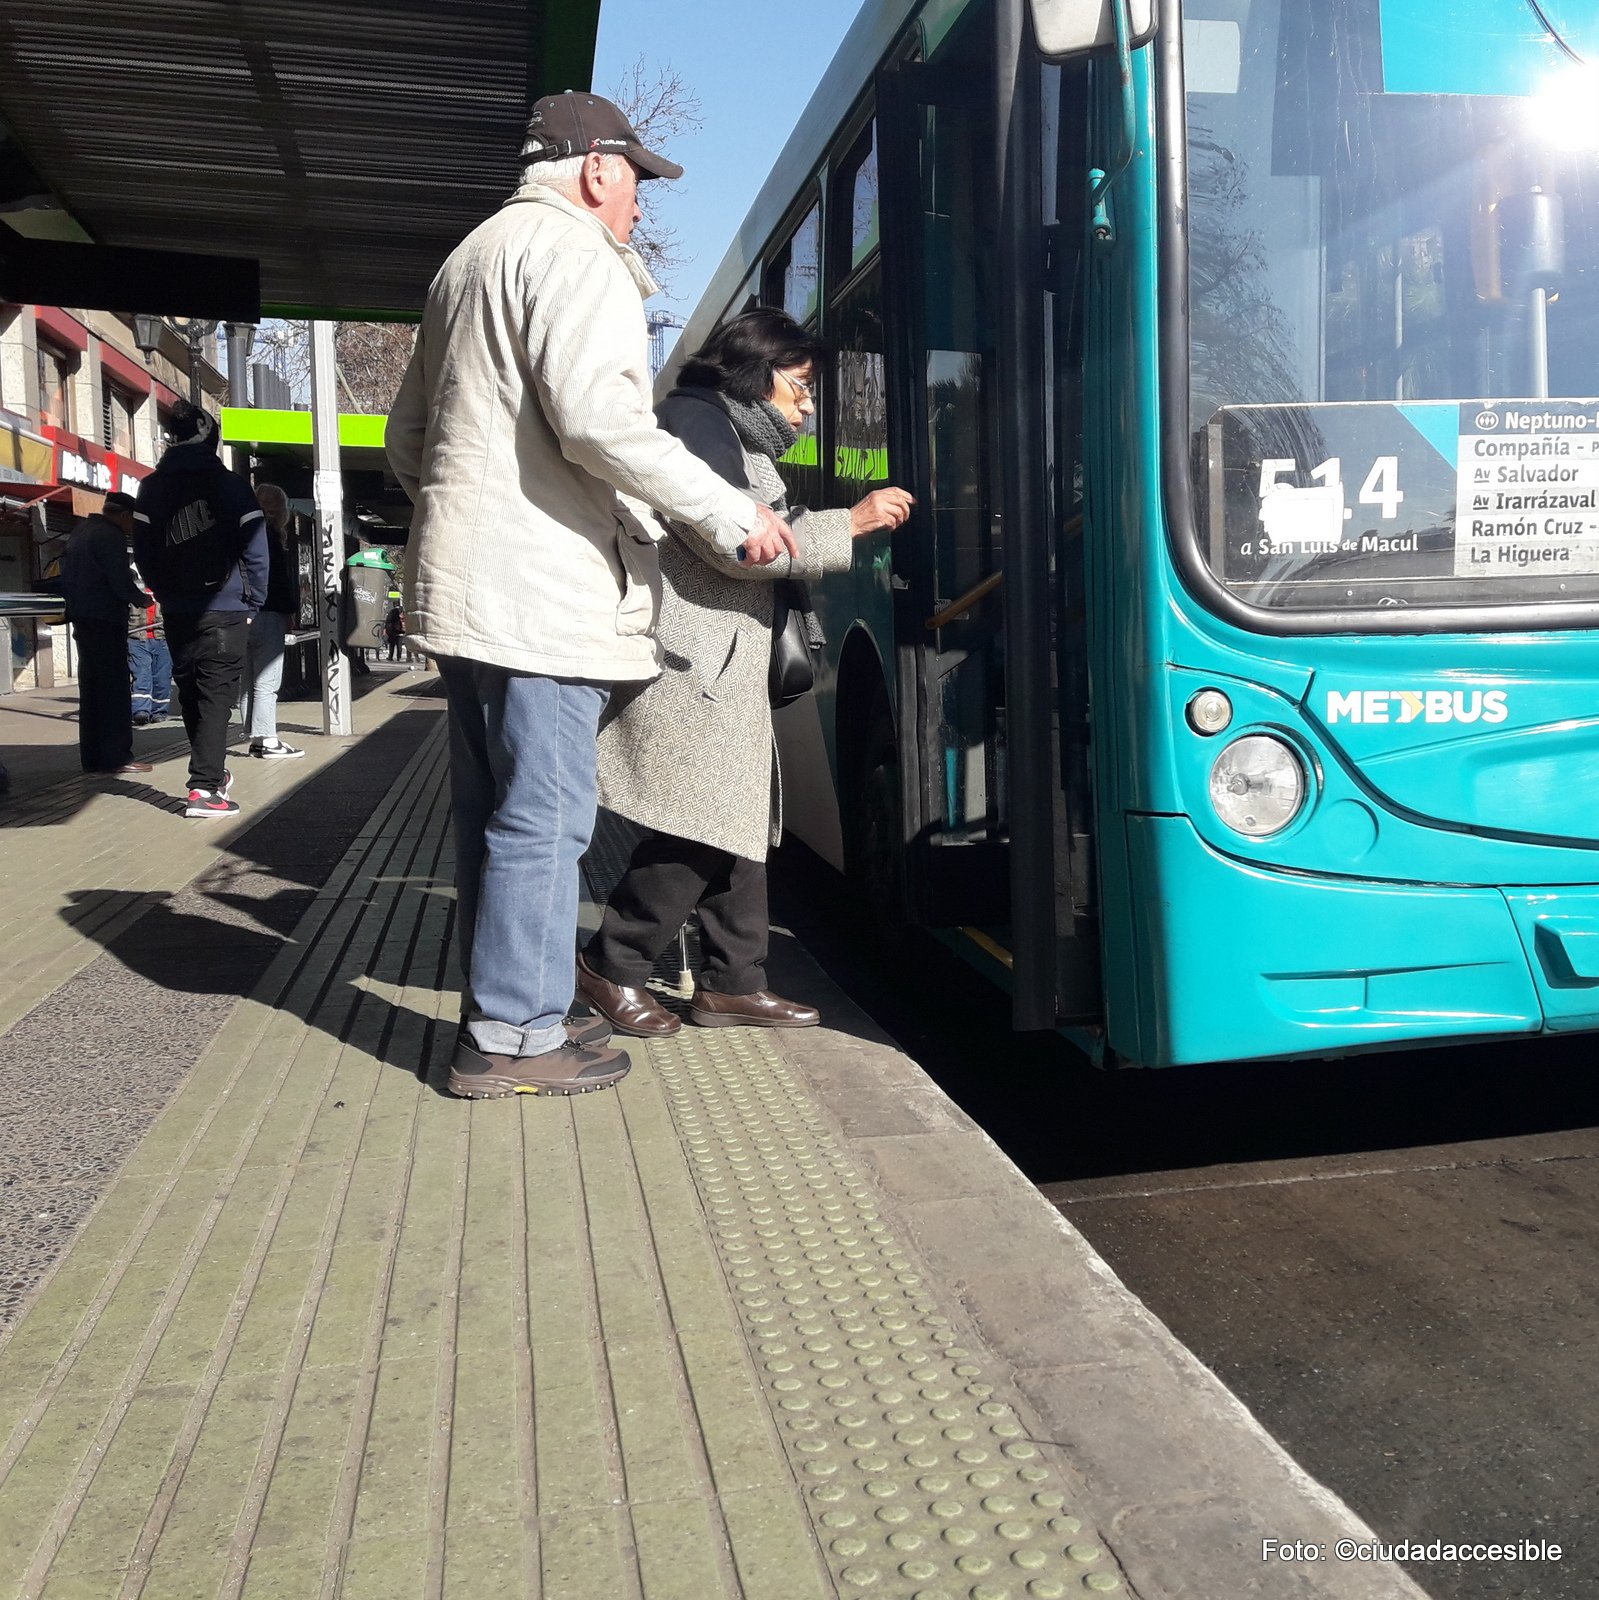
[[1554, 32]]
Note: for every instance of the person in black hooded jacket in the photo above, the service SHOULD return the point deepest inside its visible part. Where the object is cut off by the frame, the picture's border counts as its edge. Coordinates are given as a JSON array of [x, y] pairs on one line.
[[201, 543]]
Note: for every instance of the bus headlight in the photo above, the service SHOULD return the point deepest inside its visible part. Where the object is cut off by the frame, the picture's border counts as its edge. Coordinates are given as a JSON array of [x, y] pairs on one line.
[[1210, 712], [1257, 785]]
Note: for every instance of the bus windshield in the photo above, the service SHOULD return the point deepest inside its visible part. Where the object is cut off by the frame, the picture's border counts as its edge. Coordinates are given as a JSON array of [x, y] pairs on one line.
[[1394, 295]]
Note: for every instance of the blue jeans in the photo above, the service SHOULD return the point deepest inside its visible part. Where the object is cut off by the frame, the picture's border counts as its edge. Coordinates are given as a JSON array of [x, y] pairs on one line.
[[150, 665], [522, 788], [265, 672]]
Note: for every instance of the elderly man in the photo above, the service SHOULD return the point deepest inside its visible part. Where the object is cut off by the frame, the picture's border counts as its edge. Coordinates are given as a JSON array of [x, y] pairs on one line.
[[524, 434]]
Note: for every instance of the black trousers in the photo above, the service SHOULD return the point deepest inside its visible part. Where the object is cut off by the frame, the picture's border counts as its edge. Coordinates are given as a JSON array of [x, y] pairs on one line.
[[668, 878], [105, 695], [207, 667]]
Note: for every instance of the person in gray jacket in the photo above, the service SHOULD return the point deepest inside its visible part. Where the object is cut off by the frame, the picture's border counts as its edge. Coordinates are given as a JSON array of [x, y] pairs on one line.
[[691, 755], [524, 435]]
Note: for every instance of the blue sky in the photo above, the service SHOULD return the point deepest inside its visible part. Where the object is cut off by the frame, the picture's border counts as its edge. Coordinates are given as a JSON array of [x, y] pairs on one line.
[[754, 66]]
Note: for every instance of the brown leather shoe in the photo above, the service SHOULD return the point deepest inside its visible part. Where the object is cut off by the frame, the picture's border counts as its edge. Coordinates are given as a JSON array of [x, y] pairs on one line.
[[569, 1069], [132, 766], [763, 1009], [635, 1012]]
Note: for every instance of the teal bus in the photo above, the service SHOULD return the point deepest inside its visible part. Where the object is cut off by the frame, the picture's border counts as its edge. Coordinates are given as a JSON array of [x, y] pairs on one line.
[[1233, 691]]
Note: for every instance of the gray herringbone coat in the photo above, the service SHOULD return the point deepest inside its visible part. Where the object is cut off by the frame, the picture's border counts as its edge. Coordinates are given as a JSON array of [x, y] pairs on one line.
[[691, 753]]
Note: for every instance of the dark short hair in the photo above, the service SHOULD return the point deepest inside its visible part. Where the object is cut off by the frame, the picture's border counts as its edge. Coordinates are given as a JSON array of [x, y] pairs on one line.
[[743, 356], [120, 504]]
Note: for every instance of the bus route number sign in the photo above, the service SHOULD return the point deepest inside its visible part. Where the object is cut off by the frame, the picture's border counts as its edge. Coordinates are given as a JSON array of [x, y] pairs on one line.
[[1370, 501], [1528, 491]]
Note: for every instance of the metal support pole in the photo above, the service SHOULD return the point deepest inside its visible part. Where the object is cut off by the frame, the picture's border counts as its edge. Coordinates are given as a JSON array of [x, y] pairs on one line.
[[1028, 694], [1538, 344], [194, 364], [241, 335], [328, 493]]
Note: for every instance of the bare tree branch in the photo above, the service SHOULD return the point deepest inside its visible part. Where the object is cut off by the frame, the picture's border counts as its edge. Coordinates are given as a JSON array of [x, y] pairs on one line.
[[372, 357], [662, 109]]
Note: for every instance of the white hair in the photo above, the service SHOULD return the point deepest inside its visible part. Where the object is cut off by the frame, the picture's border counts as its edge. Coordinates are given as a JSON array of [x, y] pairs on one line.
[[563, 175]]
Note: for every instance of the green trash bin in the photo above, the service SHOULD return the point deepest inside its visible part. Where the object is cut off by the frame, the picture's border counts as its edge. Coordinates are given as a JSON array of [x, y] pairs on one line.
[[370, 577]]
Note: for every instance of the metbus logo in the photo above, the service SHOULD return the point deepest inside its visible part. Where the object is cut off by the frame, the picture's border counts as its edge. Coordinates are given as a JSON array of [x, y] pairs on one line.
[[1418, 705]]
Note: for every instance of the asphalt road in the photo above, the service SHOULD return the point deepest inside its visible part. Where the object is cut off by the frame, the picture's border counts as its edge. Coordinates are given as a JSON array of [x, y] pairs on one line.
[[1393, 1262]]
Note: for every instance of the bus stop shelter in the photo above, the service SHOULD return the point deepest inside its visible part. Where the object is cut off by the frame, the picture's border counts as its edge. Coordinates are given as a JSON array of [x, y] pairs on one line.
[[267, 158], [376, 511], [303, 160]]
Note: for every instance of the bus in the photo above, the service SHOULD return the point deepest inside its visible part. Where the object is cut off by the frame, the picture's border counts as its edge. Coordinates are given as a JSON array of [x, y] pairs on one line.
[[1233, 691]]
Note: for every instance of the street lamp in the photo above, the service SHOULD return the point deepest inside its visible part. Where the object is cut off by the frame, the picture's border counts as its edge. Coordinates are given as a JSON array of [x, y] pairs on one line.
[[147, 335], [147, 332], [195, 330]]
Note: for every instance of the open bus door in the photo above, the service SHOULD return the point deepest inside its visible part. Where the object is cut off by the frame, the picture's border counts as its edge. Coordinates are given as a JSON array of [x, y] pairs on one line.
[[969, 426], [940, 264]]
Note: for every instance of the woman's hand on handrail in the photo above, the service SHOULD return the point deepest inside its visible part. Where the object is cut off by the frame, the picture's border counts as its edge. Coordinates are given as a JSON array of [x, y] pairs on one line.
[[882, 508]]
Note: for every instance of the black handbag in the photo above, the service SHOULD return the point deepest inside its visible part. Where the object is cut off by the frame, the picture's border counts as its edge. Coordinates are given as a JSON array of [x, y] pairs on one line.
[[795, 636]]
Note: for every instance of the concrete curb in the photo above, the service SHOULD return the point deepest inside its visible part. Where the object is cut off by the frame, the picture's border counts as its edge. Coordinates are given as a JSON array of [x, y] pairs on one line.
[[1174, 1470]]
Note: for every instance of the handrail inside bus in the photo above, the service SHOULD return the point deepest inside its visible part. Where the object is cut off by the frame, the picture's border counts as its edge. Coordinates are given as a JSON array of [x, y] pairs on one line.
[[966, 602]]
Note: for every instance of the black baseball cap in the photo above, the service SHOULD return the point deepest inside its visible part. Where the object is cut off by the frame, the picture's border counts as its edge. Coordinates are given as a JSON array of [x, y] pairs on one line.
[[118, 502], [577, 123]]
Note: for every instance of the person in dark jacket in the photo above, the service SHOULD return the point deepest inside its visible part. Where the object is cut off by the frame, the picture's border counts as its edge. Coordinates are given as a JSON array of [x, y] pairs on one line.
[[269, 631], [97, 584], [201, 542]]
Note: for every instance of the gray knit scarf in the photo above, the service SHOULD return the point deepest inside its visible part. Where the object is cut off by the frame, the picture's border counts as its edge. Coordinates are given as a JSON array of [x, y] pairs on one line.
[[760, 427], [763, 430]]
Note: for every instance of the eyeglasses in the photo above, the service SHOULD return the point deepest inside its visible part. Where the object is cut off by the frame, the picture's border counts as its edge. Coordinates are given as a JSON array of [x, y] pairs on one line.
[[802, 391]]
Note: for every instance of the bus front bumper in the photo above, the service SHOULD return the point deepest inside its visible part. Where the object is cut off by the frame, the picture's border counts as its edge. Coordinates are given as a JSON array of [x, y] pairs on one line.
[[1239, 962]]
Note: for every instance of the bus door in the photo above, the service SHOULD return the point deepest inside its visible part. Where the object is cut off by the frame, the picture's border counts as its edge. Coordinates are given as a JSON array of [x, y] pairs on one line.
[[939, 235]]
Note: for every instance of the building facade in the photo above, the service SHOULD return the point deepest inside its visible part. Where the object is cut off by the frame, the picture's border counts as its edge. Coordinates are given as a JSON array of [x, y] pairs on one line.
[[81, 414]]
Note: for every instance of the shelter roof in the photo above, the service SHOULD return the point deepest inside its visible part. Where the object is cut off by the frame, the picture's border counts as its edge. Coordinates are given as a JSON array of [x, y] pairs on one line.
[[345, 145]]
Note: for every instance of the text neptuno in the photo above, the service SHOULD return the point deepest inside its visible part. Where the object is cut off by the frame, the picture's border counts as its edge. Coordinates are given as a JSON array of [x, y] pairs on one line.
[[1418, 705]]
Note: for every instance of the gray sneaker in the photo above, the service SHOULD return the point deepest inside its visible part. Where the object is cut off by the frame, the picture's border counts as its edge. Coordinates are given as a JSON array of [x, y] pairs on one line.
[[568, 1069]]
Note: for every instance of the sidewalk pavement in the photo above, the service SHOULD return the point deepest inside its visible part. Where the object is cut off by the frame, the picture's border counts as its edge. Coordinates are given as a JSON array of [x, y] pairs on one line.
[[773, 1320], [39, 732]]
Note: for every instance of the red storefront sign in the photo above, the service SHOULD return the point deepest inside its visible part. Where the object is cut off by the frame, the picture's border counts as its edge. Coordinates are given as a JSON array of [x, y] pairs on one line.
[[82, 464]]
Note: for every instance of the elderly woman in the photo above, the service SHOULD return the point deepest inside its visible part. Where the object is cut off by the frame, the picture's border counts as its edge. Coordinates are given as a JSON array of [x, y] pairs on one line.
[[690, 755]]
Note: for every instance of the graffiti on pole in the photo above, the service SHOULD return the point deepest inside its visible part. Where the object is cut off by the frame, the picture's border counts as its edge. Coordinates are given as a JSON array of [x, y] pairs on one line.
[[330, 587]]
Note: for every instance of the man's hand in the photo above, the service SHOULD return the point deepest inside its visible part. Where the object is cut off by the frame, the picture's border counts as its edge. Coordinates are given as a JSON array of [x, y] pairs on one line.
[[768, 539]]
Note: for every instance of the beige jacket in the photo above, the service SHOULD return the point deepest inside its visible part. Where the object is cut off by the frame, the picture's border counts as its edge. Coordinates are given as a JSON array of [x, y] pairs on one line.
[[523, 433]]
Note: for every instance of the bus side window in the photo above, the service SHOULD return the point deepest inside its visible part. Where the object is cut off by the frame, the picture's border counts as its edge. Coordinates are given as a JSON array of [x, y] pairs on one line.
[[793, 278], [793, 283], [859, 431]]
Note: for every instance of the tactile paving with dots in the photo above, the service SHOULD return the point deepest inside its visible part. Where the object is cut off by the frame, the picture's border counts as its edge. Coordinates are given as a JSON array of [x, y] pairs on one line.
[[919, 1482]]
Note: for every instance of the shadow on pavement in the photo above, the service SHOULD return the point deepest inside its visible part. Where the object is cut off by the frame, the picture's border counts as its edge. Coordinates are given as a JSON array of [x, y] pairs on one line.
[[39, 749], [218, 936]]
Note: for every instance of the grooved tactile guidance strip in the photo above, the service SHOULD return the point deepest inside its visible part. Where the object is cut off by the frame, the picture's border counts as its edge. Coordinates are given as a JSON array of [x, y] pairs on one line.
[[918, 1481]]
